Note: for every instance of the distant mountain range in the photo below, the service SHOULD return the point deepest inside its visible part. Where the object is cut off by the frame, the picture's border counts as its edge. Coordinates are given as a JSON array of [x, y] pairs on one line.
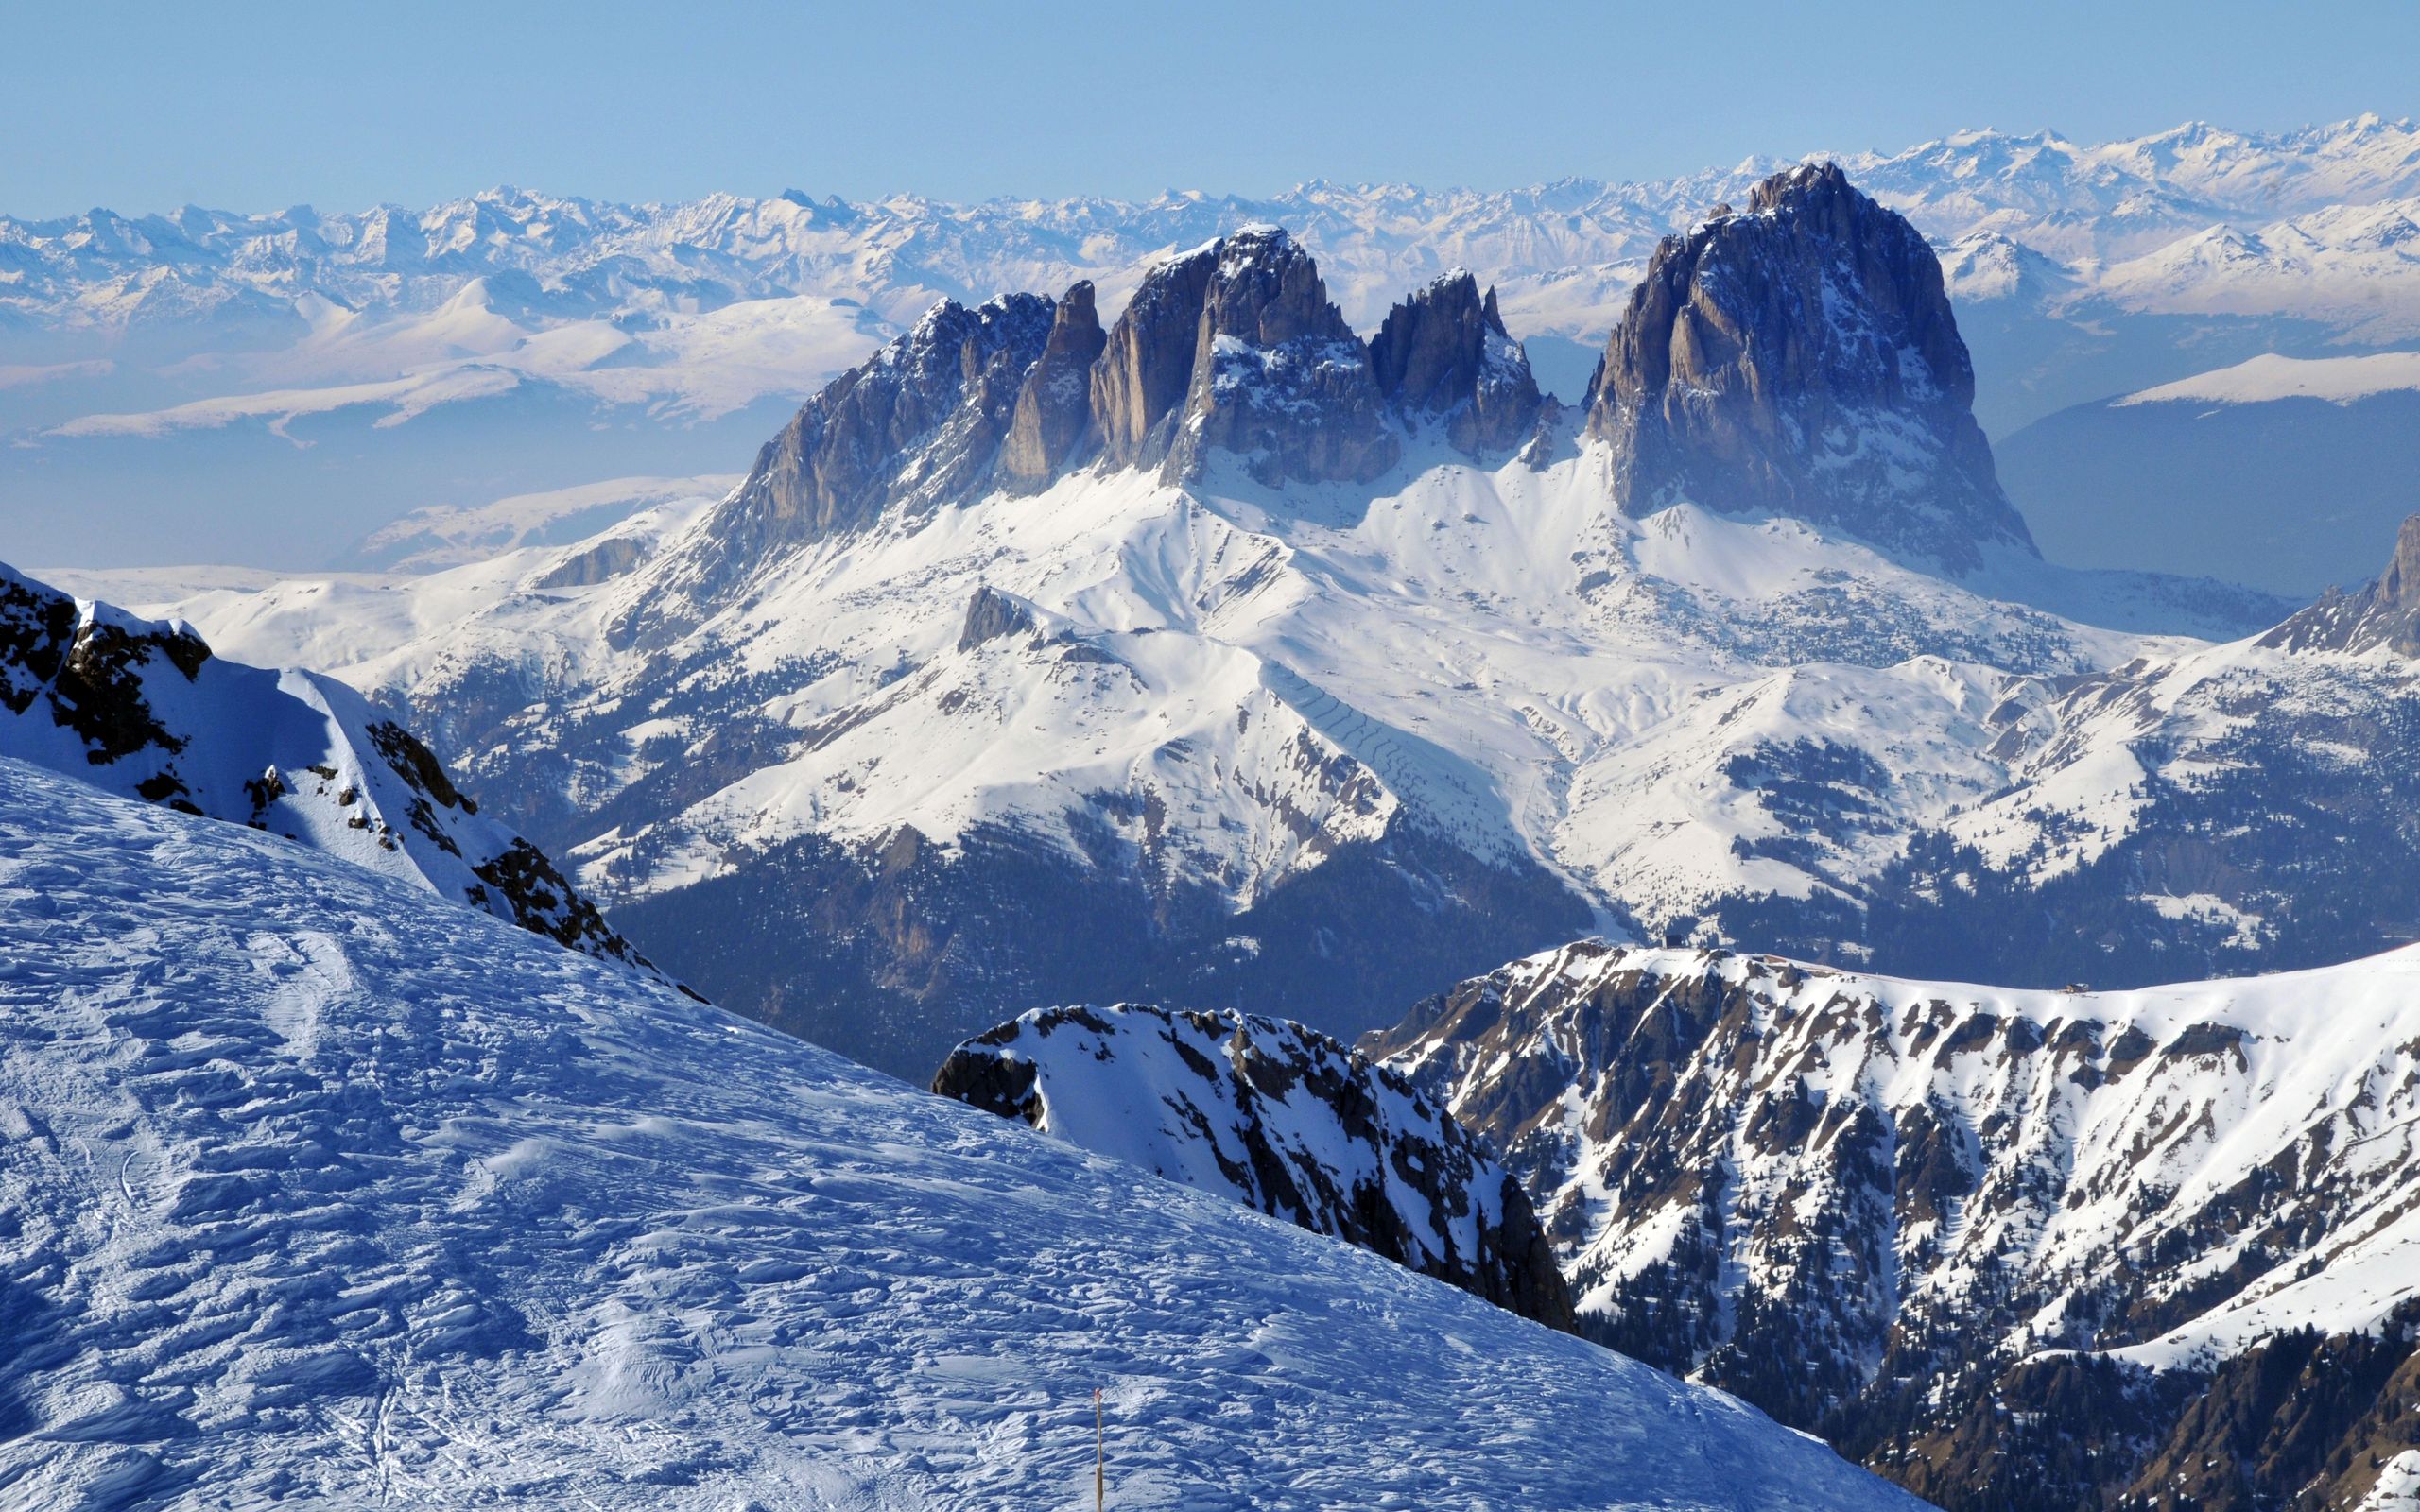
[[323, 375], [1211, 655]]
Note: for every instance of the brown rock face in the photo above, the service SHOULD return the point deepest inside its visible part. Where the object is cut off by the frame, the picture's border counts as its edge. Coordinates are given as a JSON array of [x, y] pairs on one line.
[[1146, 364], [1278, 378], [1444, 352], [2387, 612], [1054, 404], [918, 423], [1801, 359]]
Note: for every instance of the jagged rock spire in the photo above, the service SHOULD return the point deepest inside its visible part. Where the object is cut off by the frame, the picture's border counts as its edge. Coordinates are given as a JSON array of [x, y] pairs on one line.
[[1054, 404], [919, 422], [1444, 352], [1279, 378], [1141, 379], [1801, 358]]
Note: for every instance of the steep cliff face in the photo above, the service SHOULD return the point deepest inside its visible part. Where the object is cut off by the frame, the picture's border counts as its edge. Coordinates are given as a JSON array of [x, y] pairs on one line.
[[1801, 359], [1280, 1117], [1877, 1208], [920, 424], [1278, 377], [1145, 371], [1054, 403], [1443, 354]]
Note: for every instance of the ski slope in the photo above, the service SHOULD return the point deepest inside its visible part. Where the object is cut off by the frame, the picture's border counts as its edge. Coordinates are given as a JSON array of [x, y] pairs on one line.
[[315, 1191]]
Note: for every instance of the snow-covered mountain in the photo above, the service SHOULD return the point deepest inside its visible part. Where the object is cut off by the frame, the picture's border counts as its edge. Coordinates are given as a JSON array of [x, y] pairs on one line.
[[320, 1192], [142, 709], [332, 371], [1895, 1211], [1280, 1117], [1242, 665]]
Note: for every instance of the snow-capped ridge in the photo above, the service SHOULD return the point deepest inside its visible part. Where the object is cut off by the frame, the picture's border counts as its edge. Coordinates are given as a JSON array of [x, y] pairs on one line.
[[142, 709], [1279, 1118]]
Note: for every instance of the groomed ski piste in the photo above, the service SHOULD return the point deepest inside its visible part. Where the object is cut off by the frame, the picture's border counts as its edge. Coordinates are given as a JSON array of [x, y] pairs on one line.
[[315, 1190]]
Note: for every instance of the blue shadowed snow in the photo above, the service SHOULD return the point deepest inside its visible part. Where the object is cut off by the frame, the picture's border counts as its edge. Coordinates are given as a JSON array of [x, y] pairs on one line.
[[314, 1187]]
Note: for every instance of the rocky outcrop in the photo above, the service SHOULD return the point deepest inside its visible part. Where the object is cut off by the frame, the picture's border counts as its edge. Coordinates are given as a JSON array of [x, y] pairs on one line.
[[601, 562], [2385, 612], [1054, 404], [142, 709], [1146, 368], [919, 424], [1281, 1119], [1443, 354], [1278, 378], [1886, 1210], [991, 614], [1801, 359]]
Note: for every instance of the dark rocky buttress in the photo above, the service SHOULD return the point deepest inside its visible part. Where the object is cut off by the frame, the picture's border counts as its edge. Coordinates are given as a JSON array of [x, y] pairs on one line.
[[1801, 359]]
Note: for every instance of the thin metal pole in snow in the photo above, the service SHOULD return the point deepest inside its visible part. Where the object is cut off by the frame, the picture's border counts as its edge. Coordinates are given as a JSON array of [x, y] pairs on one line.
[[1101, 1457]]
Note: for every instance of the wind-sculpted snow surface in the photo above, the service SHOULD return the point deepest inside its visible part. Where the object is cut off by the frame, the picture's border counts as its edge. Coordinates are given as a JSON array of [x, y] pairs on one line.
[[318, 1194], [1282, 1119], [143, 708], [1879, 1205]]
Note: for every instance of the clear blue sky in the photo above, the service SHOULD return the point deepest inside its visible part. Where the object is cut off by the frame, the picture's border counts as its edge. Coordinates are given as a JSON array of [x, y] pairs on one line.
[[258, 106]]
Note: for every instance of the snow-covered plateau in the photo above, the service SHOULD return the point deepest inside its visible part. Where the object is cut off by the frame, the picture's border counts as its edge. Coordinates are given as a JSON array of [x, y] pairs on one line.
[[319, 1190]]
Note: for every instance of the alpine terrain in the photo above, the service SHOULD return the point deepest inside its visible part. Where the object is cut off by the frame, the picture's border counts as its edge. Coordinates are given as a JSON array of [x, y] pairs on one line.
[[1281, 1119], [1213, 656], [207, 384], [2150, 1249], [323, 1190], [143, 710]]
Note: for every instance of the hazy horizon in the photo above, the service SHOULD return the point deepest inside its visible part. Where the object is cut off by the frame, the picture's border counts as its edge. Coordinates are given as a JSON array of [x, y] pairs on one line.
[[334, 111]]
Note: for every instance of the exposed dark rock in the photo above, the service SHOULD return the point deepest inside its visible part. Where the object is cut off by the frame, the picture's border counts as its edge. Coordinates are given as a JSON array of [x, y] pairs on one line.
[[149, 712], [1801, 359], [1054, 404], [1279, 379], [2385, 612], [1739, 1173], [1146, 365], [1280, 1117], [917, 426], [991, 614], [1444, 353]]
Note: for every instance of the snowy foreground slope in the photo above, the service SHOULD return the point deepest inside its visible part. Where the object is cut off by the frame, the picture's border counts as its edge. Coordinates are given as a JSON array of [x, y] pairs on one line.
[[316, 1192]]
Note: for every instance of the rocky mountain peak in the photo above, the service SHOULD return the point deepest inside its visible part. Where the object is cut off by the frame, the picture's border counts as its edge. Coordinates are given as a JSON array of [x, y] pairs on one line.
[[1279, 378], [915, 424], [1444, 352], [2386, 612], [1145, 367], [1802, 359]]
